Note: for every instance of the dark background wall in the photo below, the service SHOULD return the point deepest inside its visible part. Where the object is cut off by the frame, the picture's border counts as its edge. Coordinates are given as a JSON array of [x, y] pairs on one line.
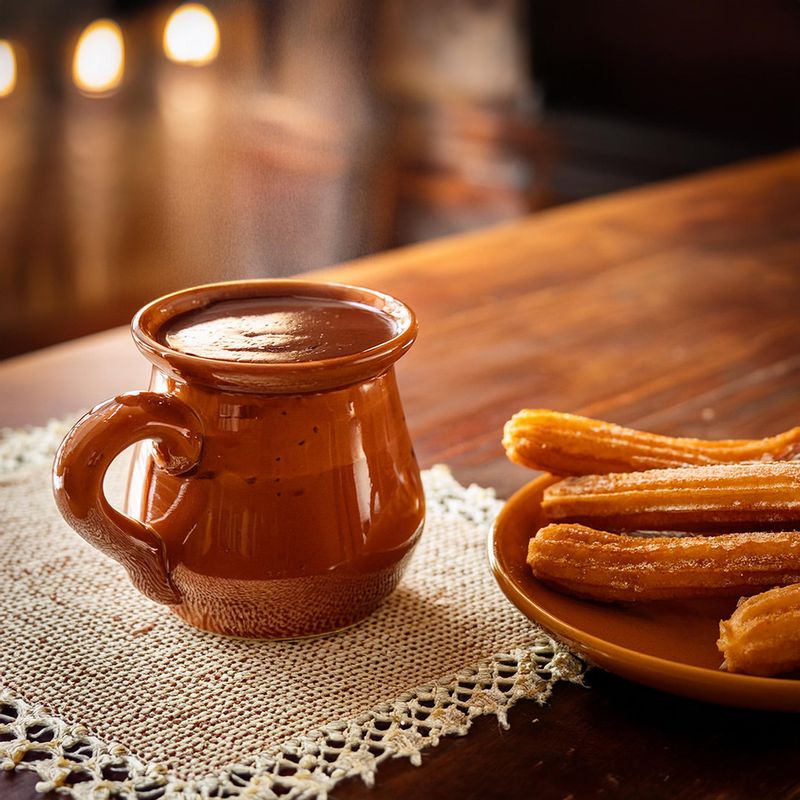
[[637, 91]]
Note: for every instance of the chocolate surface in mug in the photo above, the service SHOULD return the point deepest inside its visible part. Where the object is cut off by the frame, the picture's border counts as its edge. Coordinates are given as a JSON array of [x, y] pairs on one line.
[[278, 329]]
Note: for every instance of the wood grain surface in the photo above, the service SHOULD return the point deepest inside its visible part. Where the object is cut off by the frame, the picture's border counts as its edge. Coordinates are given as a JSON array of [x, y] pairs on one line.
[[673, 308]]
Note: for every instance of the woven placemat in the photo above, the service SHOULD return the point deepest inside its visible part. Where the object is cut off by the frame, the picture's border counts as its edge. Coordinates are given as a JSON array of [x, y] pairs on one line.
[[106, 693]]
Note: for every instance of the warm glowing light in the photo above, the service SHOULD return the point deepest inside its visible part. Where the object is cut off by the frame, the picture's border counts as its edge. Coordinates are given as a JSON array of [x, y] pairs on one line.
[[8, 68], [99, 58], [191, 35]]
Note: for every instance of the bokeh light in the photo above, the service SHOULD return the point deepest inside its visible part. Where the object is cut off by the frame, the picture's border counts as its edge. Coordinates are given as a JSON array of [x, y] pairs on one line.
[[8, 68], [191, 35], [99, 61]]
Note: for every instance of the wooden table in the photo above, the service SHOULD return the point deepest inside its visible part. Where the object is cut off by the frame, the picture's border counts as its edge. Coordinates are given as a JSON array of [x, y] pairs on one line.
[[675, 308]]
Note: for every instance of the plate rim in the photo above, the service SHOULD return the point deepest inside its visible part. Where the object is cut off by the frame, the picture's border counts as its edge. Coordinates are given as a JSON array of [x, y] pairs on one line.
[[601, 651]]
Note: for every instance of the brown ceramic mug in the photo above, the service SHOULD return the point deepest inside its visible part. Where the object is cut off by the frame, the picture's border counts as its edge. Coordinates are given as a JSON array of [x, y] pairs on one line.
[[280, 496]]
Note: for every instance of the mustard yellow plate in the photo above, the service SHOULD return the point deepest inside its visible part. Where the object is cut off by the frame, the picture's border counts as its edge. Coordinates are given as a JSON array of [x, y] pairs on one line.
[[666, 645]]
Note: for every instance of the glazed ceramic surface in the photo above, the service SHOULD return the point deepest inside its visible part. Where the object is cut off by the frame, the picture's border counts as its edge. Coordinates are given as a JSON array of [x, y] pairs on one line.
[[667, 645], [276, 499]]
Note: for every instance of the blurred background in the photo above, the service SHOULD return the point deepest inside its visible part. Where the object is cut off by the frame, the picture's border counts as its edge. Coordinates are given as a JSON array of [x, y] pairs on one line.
[[147, 146]]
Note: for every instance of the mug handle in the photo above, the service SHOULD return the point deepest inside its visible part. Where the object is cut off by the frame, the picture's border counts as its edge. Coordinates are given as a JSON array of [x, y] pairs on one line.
[[85, 455]]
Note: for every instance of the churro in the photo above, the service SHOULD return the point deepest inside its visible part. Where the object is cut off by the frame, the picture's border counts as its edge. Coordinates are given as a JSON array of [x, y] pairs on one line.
[[716, 498], [566, 444], [762, 637], [611, 567]]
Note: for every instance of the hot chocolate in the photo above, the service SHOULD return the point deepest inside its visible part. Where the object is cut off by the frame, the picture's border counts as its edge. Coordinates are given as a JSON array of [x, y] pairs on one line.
[[272, 330]]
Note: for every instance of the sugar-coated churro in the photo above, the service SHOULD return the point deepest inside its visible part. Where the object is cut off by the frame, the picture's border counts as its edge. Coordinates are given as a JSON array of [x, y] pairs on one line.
[[566, 444], [617, 568], [717, 498], [762, 637]]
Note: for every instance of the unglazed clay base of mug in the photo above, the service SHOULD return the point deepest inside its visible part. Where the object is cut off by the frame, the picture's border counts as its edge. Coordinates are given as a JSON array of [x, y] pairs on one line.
[[289, 608]]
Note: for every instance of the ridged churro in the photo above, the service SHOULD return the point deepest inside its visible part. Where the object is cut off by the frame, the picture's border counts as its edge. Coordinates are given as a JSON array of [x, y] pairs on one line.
[[762, 637], [716, 498], [566, 444], [617, 568]]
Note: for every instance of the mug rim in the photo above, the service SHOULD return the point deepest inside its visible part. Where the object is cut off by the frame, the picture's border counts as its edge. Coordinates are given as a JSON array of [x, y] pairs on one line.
[[278, 377]]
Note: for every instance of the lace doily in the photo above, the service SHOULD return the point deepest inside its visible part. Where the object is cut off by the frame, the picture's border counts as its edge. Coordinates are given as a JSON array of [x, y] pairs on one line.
[[105, 694]]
